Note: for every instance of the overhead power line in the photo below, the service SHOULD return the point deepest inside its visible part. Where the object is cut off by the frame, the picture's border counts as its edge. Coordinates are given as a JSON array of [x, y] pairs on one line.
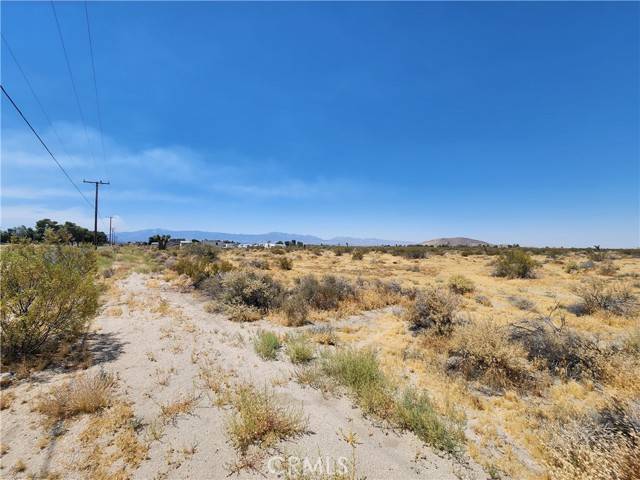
[[35, 96], [95, 83], [45, 146], [73, 83]]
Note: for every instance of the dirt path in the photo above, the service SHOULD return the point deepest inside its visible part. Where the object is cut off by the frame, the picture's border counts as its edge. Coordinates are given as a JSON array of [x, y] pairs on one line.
[[157, 340]]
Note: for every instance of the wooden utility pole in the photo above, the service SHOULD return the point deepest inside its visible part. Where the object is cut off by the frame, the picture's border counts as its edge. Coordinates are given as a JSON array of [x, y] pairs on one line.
[[110, 231], [95, 213]]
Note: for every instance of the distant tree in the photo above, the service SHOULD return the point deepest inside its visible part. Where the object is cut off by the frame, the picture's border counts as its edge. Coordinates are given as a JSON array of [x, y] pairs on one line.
[[162, 240]]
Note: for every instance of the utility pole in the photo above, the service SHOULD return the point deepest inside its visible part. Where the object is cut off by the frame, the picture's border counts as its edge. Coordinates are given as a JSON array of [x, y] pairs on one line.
[[95, 214], [110, 231]]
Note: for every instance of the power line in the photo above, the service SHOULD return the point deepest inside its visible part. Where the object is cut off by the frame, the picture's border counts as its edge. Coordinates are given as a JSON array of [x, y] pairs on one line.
[[45, 145], [95, 83], [35, 96], [73, 83]]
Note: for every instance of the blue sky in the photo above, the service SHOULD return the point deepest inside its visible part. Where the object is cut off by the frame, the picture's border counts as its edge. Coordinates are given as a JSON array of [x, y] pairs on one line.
[[508, 122]]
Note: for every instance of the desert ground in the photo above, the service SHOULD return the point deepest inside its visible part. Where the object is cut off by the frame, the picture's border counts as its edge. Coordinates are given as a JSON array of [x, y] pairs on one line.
[[197, 385]]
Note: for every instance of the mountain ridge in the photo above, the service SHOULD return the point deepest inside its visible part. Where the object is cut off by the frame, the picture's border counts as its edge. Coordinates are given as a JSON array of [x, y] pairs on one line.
[[143, 236], [454, 242]]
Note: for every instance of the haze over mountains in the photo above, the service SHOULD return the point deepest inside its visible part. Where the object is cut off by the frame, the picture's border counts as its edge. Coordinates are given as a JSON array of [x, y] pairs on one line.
[[143, 236]]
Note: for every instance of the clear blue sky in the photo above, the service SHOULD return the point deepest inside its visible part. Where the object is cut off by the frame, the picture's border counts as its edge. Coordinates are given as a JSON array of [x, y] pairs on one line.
[[508, 122]]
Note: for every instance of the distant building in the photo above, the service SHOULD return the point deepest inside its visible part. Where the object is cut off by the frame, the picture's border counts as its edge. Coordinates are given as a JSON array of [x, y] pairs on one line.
[[186, 242], [221, 243]]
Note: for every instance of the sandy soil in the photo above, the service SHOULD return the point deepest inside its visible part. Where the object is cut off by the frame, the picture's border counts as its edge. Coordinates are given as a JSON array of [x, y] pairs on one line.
[[156, 340]]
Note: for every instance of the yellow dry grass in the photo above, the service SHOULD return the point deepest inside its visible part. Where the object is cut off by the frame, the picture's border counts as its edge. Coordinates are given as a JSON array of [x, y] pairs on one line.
[[508, 426]]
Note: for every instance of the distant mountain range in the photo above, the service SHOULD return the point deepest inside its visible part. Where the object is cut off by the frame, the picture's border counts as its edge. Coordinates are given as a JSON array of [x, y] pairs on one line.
[[143, 236], [454, 242]]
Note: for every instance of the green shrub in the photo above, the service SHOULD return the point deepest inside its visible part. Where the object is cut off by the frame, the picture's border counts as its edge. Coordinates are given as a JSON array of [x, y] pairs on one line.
[[285, 263], [515, 263], [360, 372], [357, 255], [433, 308], [461, 284], [48, 296], [266, 345], [299, 350], [415, 412]]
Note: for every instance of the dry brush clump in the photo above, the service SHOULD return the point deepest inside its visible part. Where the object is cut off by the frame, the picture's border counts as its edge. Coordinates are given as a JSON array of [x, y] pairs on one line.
[[48, 296], [483, 351], [601, 446], [600, 296], [560, 350], [461, 285], [434, 308], [260, 420], [84, 394]]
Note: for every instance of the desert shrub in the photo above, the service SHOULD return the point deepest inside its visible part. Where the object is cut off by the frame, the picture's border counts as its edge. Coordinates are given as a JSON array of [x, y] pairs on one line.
[[357, 255], [515, 263], [48, 296], [298, 348], [326, 293], [259, 263], [242, 313], [208, 252], [195, 269], [615, 298], [602, 446], [339, 251], [285, 263], [278, 251], [571, 267], [433, 308], [461, 284], [84, 394], [266, 345], [410, 252], [295, 310], [608, 268], [253, 289], [324, 335], [415, 412], [597, 255], [562, 351], [261, 420], [482, 351], [484, 300], [521, 303], [199, 269]]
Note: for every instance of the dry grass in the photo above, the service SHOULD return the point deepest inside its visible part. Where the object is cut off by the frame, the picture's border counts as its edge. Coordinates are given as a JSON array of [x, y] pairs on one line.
[[509, 388], [261, 420], [84, 394], [180, 406], [482, 351], [6, 399]]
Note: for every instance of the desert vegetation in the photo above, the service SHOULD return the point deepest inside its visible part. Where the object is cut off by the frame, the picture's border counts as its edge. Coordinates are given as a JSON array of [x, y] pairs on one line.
[[522, 362]]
